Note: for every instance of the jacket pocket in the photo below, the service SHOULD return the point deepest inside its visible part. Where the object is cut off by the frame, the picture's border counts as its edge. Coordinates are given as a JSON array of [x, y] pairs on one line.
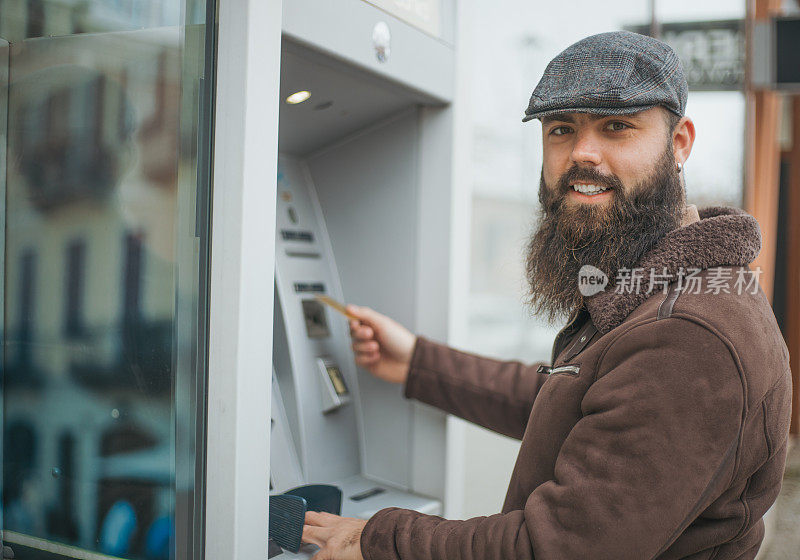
[[567, 369]]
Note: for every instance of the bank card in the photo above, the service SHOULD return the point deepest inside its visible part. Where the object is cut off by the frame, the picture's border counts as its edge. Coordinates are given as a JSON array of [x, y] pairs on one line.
[[329, 301]]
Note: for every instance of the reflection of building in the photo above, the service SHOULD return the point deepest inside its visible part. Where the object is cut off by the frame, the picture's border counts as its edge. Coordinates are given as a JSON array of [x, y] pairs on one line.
[[89, 383], [67, 151], [39, 18]]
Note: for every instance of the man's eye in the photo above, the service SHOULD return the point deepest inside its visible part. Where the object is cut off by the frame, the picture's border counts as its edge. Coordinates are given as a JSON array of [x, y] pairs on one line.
[[617, 126], [560, 130]]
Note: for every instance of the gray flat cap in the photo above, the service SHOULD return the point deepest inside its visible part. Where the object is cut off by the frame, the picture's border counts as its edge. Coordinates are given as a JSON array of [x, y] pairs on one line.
[[612, 73]]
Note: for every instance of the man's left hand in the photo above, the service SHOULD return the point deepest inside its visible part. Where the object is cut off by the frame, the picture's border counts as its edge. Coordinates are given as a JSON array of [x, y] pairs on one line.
[[339, 538]]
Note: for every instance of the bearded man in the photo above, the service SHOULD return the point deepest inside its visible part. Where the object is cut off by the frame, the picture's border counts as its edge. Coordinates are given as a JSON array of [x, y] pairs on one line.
[[659, 427]]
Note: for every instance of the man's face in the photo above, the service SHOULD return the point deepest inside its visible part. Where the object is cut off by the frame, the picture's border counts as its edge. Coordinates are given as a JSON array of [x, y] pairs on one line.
[[612, 152], [630, 161]]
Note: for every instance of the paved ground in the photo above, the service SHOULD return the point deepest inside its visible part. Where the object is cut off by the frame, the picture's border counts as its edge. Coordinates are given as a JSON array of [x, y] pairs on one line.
[[783, 539]]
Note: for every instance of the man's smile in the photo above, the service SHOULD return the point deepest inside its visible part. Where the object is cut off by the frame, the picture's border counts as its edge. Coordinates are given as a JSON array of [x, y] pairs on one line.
[[591, 193]]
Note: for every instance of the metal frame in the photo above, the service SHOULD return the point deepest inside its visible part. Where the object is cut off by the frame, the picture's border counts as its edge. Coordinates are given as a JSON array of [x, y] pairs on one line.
[[242, 265], [4, 83]]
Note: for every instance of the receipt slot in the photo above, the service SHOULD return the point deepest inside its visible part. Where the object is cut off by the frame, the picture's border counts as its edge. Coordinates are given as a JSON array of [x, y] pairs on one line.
[[362, 216]]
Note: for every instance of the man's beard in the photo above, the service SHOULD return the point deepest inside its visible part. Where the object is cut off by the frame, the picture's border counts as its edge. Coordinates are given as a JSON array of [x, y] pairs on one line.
[[610, 236]]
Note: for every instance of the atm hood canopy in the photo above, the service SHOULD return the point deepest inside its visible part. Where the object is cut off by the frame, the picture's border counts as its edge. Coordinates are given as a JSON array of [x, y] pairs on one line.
[[344, 99]]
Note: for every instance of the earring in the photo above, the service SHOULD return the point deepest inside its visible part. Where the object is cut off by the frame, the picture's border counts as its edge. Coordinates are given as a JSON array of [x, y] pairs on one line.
[[679, 166]]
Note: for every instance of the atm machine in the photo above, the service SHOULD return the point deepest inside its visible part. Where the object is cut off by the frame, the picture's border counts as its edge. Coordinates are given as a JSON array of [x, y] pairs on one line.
[[317, 429], [364, 197]]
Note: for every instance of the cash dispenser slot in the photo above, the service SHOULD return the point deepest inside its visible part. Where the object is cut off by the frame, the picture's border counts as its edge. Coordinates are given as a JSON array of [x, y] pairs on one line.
[[332, 386]]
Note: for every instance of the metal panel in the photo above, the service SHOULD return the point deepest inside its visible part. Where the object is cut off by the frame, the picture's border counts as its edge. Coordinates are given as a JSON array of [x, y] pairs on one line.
[[4, 77], [368, 184], [422, 14], [242, 249], [416, 61], [327, 443], [343, 99], [434, 239], [392, 180]]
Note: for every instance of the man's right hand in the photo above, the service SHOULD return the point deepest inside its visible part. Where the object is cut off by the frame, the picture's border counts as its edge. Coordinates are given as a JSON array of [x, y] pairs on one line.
[[381, 345]]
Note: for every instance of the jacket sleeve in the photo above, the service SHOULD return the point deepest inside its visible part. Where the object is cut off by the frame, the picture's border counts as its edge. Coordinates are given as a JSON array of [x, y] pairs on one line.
[[491, 393], [655, 445]]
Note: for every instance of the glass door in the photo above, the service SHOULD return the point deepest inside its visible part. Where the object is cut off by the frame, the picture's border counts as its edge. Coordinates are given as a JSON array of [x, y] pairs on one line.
[[104, 276]]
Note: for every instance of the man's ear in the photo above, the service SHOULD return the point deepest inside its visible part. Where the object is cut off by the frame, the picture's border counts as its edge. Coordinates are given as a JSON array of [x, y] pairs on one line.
[[683, 139]]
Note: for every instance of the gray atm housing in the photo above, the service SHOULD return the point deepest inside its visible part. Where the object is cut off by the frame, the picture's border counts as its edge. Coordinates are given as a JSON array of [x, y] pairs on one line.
[[364, 199], [316, 440]]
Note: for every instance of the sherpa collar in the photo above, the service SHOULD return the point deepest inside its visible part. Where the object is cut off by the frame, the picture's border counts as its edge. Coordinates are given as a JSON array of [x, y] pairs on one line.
[[723, 236]]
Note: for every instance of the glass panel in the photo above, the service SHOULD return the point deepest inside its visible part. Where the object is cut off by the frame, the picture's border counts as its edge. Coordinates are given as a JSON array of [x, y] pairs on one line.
[[106, 242]]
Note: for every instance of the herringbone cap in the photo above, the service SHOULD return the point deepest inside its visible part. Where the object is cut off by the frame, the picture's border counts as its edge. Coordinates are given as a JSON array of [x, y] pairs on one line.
[[613, 73]]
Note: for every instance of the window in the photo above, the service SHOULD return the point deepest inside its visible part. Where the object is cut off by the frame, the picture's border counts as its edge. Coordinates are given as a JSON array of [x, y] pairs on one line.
[[132, 278], [73, 296]]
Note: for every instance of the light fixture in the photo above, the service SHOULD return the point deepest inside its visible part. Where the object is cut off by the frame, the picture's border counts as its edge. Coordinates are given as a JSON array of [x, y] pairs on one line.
[[298, 97]]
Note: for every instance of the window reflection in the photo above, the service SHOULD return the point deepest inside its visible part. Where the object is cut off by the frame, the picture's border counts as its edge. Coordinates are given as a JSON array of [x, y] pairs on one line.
[[39, 18], [97, 145]]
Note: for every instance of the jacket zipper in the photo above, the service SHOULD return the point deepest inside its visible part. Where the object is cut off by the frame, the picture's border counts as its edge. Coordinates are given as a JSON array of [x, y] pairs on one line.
[[569, 370]]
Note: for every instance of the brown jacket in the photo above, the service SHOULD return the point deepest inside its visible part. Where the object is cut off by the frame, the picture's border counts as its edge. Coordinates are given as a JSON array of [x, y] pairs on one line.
[[660, 430]]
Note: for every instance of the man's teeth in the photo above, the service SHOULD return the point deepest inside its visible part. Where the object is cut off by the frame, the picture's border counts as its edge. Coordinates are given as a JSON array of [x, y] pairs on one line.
[[589, 189]]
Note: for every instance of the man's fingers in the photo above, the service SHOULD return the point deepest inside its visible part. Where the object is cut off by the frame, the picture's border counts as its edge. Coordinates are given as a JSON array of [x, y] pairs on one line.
[[325, 517], [321, 518], [364, 313], [367, 347], [336, 536], [365, 332], [363, 360], [362, 333], [316, 535], [356, 311]]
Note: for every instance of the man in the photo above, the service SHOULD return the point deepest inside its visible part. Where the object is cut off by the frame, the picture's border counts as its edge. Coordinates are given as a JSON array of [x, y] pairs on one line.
[[660, 429]]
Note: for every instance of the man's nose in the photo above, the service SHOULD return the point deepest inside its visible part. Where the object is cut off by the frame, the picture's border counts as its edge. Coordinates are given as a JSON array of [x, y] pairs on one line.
[[586, 150]]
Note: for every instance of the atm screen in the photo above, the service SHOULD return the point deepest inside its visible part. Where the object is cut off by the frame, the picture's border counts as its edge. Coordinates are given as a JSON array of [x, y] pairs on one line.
[[316, 320]]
